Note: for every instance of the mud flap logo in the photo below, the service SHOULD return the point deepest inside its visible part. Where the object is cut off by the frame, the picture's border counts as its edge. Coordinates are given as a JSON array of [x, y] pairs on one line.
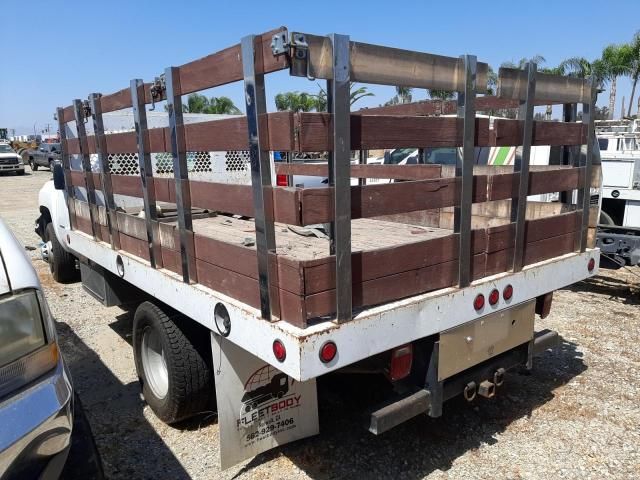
[[259, 407]]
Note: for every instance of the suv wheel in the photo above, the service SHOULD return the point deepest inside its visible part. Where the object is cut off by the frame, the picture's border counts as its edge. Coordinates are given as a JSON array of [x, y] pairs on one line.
[[33, 164]]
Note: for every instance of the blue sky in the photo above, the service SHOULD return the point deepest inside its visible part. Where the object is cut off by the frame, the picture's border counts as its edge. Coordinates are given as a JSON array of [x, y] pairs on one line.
[[73, 48]]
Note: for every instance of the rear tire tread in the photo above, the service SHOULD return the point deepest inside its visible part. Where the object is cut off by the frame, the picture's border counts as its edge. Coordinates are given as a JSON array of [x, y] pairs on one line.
[[189, 373]]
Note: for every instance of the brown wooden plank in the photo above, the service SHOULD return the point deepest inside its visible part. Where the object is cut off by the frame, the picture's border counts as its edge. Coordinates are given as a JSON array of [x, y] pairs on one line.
[[372, 264], [68, 114], [72, 146], [504, 186], [375, 200], [394, 287], [502, 237], [386, 131], [285, 274], [116, 101], [126, 185], [245, 289], [509, 132], [397, 172], [231, 134], [226, 66]]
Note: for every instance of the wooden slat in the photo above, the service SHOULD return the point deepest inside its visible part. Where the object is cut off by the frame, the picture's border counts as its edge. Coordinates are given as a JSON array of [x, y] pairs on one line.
[[559, 179], [502, 237], [375, 200], [231, 134], [370, 132], [393, 287], [116, 101], [226, 66], [509, 132], [68, 114], [372, 264], [397, 172]]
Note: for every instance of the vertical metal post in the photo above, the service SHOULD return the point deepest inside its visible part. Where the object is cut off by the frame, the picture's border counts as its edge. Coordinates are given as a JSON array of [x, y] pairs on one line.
[[78, 109], [464, 170], [256, 104], [180, 173], [103, 160], [66, 165], [146, 172], [586, 161], [521, 167], [569, 156], [340, 173]]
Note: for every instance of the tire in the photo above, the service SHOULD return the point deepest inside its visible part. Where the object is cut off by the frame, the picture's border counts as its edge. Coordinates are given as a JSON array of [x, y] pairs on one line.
[[33, 165], [172, 362], [62, 264], [605, 219]]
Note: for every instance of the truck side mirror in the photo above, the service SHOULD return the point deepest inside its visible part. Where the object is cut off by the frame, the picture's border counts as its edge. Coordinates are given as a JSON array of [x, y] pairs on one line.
[[58, 176]]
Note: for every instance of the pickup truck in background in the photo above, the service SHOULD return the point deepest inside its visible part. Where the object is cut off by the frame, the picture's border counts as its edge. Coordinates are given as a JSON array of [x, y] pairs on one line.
[[44, 156]]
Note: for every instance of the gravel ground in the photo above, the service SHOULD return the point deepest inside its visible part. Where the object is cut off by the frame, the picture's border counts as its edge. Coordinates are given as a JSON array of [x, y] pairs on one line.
[[576, 416]]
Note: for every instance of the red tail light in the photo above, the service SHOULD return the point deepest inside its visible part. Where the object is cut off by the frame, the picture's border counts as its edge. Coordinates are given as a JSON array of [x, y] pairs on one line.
[[328, 352], [494, 296], [401, 361], [591, 265], [279, 351], [478, 303], [281, 181], [507, 293]]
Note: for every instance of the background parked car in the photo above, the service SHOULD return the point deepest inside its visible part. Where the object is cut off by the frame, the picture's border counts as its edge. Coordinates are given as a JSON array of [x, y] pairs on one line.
[[10, 161], [44, 156]]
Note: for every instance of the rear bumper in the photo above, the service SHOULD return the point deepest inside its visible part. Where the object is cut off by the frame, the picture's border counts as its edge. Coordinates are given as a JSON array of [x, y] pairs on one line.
[[422, 401], [36, 427]]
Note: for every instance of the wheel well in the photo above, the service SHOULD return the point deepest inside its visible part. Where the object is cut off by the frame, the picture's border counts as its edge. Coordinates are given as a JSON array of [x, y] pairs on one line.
[[46, 215]]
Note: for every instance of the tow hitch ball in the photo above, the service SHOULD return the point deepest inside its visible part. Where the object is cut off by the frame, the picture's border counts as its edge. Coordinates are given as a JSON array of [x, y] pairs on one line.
[[486, 389]]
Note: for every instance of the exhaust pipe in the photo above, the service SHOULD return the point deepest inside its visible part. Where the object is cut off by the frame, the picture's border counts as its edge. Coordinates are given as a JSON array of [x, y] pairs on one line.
[[487, 389]]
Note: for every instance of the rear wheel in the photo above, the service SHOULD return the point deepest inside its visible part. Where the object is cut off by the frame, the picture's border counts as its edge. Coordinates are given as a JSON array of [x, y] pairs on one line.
[[33, 164], [173, 363], [61, 263]]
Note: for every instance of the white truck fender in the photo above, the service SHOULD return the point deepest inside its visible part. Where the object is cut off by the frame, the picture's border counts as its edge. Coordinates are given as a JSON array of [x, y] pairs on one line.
[[54, 202]]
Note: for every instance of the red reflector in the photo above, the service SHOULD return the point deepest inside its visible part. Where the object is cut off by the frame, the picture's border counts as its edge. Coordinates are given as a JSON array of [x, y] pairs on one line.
[[478, 303], [494, 296], [281, 181], [328, 352], [507, 293], [401, 361], [591, 265], [279, 351]]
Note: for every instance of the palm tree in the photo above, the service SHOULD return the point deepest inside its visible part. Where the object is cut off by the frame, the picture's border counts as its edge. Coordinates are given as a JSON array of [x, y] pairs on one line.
[[296, 101], [197, 103], [354, 95], [404, 94], [537, 59], [631, 61], [440, 94]]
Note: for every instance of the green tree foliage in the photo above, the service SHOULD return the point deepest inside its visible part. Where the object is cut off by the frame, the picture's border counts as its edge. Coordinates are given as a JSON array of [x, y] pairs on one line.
[[197, 103]]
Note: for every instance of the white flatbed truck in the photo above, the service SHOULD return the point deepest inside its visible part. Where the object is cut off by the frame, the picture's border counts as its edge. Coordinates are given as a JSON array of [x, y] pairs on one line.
[[235, 298]]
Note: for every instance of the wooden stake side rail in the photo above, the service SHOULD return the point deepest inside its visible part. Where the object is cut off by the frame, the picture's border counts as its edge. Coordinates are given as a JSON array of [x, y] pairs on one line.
[[309, 206], [305, 289], [311, 132], [352, 268]]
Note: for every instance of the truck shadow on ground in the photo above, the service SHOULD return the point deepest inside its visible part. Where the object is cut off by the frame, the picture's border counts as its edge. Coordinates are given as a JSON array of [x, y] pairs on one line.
[[344, 449], [607, 284], [121, 420]]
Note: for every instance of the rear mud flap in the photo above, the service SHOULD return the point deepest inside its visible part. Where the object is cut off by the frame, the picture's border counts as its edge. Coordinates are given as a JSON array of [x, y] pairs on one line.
[[259, 407]]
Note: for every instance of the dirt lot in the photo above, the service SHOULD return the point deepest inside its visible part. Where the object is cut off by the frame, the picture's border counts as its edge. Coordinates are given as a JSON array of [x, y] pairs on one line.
[[576, 416]]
